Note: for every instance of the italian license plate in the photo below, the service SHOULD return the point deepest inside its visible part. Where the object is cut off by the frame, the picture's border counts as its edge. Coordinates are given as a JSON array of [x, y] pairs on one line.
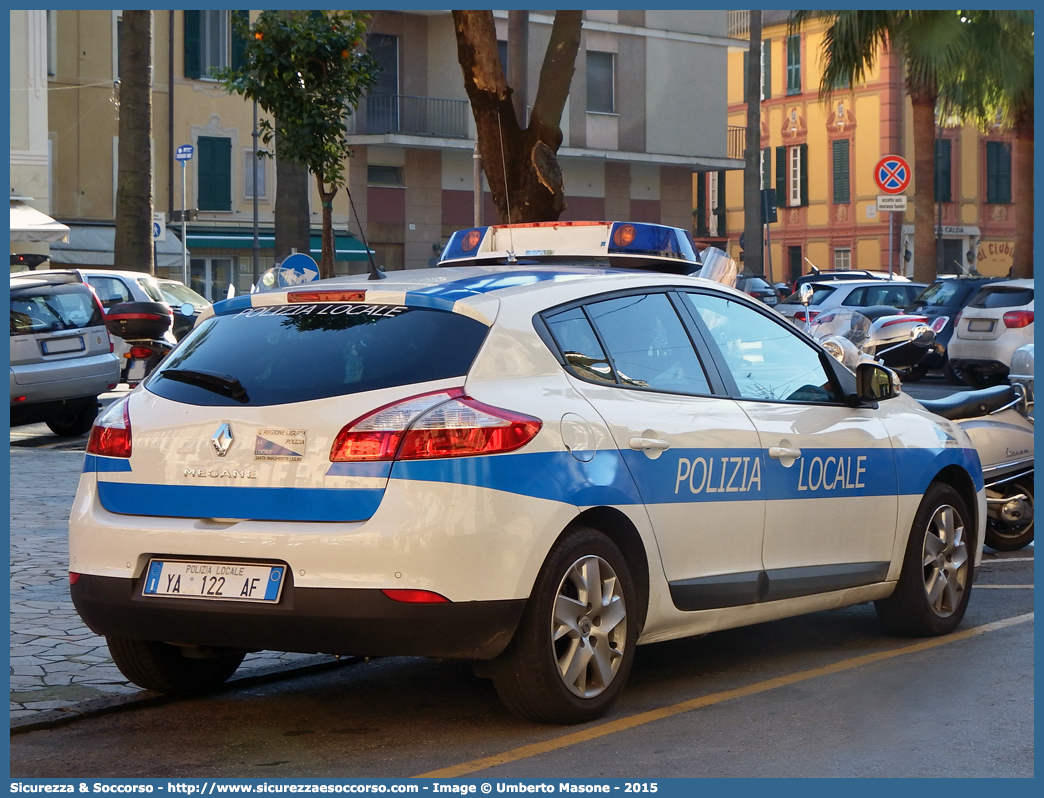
[[57, 346], [980, 325], [225, 581], [136, 371]]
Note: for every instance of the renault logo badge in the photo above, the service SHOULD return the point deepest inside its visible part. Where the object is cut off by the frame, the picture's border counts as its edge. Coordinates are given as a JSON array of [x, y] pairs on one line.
[[222, 439]]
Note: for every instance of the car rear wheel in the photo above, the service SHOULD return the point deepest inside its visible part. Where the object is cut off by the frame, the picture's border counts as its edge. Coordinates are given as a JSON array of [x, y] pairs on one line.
[[1009, 526], [79, 422], [165, 668], [573, 650], [933, 589]]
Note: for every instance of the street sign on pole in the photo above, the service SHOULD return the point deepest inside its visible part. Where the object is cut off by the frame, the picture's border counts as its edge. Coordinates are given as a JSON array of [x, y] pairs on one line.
[[891, 202], [159, 226], [892, 174], [184, 152]]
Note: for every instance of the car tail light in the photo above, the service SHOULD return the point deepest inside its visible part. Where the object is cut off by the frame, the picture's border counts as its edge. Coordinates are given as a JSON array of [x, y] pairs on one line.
[[111, 433], [957, 318], [1014, 319], [441, 424], [800, 315], [73, 577], [940, 324], [139, 351], [905, 320], [415, 596]]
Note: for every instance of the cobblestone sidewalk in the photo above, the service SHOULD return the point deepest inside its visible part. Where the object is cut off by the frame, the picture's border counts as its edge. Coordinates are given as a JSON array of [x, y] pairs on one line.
[[56, 661]]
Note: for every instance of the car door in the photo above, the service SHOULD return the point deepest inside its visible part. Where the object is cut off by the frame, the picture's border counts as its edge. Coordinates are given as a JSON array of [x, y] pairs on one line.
[[829, 471], [692, 452]]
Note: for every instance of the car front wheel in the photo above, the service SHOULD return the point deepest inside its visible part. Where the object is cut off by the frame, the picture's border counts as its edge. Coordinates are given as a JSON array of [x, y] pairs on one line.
[[934, 585], [573, 650], [78, 422], [165, 668]]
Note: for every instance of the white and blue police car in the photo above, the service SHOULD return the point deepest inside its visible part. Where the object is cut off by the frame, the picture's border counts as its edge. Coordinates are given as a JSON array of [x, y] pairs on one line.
[[536, 461]]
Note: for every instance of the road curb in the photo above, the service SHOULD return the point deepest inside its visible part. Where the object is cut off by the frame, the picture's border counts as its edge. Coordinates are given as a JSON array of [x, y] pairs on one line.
[[149, 698]]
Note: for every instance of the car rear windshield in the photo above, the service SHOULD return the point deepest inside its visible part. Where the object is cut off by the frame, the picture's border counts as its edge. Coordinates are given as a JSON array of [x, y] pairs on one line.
[[297, 353], [819, 293], [998, 296], [53, 308]]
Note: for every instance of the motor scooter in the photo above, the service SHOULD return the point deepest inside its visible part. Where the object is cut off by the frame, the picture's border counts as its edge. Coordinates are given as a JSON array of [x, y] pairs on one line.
[[998, 420], [144, 326]]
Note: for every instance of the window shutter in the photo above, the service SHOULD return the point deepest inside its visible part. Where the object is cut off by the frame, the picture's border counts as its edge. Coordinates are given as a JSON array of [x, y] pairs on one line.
[[1004, 174], [701, 203], [193, 44], [841, 172], [766, 61], [804, 174], [746, 73], [781, 177], [237, 59], [942, 170], [215, 174], [766, 168], [794, 64], [998, 172]]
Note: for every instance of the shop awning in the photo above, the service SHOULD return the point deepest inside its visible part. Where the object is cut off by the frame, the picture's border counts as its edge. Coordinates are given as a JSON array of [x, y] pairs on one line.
[[31, 225], [92, 245], [346, 247]]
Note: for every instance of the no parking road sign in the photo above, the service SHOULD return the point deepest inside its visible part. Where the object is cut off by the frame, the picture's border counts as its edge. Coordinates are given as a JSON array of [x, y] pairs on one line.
[[892, 174]]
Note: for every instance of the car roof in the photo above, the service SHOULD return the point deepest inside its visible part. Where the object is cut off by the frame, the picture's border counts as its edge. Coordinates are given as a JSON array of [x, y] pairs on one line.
[[103, 272], [30, 279], [1016, 283]]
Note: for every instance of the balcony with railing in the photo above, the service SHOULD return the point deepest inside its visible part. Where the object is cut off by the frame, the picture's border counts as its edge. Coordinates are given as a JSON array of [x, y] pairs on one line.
[[380, 114]]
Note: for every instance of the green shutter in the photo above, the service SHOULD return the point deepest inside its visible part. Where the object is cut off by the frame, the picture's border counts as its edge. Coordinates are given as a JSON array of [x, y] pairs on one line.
[[237, 60], [701, 203], [1004, 174], [842, 194], [720, 204], [766, 168], [943, 161], [781, 177], [766, 49], [746, 73], [998, 172], [215, 174], [794, 64], [804, 174], [193, 44]]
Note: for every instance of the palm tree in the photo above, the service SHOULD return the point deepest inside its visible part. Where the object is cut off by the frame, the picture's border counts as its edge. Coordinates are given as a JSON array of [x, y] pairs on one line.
[[930, 46]]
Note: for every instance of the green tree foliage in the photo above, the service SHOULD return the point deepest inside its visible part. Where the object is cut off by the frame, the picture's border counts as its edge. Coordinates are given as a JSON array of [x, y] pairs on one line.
[[307, 71]]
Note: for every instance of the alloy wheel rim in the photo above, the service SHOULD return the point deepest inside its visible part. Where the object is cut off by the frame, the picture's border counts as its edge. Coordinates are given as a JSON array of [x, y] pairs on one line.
[[945, 561], [589, 627]]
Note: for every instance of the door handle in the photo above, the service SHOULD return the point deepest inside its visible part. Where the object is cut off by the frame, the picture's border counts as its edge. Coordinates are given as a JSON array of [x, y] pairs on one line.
[[649, 444], [785, 454]]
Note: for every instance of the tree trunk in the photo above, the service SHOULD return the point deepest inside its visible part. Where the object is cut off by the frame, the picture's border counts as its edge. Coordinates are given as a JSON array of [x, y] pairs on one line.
[[1022, 260], [133, 247], [292, 222], [925, 266], [326, 262], [520, 164], [753, 231]]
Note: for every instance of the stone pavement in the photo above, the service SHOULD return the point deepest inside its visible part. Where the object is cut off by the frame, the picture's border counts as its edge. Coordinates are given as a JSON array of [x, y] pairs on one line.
[[57, 663]]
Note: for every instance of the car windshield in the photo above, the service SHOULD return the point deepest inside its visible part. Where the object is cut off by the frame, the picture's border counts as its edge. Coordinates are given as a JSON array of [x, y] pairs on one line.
[[819, 293], [938, 294], [296, 353], [179, 293], [53, 308], [1002, 296]]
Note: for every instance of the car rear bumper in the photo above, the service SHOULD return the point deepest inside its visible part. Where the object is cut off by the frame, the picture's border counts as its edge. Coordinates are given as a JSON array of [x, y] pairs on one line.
[[360, 622], [35, 412], [979, 366]]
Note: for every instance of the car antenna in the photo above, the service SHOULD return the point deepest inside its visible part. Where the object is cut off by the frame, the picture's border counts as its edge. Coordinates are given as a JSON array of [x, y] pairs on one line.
[[507, 194], [375, 273]]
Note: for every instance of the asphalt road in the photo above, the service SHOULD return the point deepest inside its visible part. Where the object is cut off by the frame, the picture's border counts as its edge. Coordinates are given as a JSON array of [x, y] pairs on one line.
[[824, 695]]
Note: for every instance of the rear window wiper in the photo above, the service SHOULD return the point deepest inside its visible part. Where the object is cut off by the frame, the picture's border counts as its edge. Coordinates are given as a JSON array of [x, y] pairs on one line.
[[223, 384]]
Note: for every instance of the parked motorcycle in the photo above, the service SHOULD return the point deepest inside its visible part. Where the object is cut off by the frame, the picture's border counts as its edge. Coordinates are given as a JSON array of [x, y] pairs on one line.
[[998, 420], [145, 327]]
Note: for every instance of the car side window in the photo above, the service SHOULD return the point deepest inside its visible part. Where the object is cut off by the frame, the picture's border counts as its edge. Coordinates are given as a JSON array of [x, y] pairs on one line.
[[855, 298], [576, 338], [110, 290], [767, 360], [648, 344]]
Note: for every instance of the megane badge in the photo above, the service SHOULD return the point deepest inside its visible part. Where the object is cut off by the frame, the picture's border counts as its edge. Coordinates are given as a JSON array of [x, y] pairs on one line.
[[222, 439]]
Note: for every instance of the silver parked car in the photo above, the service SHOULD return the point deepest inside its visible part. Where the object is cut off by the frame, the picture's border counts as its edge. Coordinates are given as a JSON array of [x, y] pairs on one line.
[[61, 354]]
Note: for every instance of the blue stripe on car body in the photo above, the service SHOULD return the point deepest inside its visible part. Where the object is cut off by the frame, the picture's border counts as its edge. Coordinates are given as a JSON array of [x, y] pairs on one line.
[[92, 463]]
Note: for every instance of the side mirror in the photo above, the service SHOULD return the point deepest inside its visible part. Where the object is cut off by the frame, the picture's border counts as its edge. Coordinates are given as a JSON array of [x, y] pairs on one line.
[[875, 383], [805, 294]]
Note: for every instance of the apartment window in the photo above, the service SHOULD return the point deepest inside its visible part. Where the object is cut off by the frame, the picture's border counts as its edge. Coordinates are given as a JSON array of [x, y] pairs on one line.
[[792, 175], [385, 51], [601, 88], [52, 43], [766, 70], [117, 44], [842, 185], [943, 170], [211, 42], [794, 64], [214, 173], [384, 175], [998, 172], [502, 52], [249, 161], [766, 168], [842, 258]]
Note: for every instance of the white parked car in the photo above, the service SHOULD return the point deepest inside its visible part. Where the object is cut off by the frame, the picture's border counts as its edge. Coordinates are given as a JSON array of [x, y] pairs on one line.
[[535, 464], [997, 321], [850, 294]]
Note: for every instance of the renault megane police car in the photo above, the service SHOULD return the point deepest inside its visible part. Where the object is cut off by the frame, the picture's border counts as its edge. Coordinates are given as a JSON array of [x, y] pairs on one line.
[[537, 464]]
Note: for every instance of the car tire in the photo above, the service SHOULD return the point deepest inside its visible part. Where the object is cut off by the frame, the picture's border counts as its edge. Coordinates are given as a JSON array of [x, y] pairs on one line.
[[77, 423], [573, 649], [952, 375], [934, 585], [1012, 536], [162, 667], [976, 380]]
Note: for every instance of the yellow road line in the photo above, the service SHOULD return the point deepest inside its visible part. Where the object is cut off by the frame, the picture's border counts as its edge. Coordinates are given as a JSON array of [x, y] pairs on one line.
[[623, 724], [1004, 587]]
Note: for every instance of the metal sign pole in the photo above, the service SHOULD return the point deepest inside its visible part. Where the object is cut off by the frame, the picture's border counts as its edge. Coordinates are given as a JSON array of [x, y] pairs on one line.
[[891, 214], [184, 239]]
